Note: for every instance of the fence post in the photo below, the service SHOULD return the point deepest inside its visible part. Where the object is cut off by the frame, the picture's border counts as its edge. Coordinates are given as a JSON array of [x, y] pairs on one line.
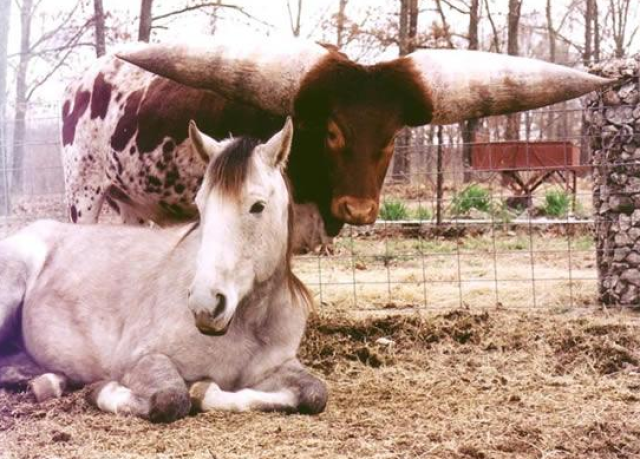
[[613, 125]]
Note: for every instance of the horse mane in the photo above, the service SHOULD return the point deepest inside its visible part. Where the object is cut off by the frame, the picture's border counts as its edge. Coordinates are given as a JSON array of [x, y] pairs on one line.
[[299, 292]]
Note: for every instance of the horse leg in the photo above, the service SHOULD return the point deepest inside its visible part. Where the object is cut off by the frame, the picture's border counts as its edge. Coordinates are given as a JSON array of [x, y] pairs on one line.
[[152, 389], [48, 386], [290, 388]]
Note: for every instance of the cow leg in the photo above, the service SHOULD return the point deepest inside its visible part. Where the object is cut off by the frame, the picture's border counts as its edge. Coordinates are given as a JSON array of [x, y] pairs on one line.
[[290, 388], [152, 389]]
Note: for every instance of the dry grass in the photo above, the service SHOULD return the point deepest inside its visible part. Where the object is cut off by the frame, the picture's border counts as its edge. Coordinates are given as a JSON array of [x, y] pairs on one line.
[[497, 384]]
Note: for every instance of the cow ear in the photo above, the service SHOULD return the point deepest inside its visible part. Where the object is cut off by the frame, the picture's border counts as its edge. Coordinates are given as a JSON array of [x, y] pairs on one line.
[[276, 151], [204, 145]]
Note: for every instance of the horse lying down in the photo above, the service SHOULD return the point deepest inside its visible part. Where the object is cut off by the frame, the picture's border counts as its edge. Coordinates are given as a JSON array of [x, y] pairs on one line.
[[207, 315]]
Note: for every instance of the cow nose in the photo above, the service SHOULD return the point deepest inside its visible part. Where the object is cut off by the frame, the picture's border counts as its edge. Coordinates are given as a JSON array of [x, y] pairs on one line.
[[357, 211]]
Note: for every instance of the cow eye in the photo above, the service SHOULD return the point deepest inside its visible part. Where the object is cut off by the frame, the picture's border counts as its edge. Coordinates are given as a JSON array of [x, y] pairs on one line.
[[257, 207]]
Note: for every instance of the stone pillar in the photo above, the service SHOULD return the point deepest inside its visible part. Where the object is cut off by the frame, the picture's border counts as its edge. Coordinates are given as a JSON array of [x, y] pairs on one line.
[[613, 126]]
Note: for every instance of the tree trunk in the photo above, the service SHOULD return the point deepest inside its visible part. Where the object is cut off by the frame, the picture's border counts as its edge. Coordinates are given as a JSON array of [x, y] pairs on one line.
[[340, 24], [515, 6], [587, 56], [406, 43], [552, 36], [20, 127], [596, 32], [5, 14], [295, 22], [144, 26], [99, 27], [469, 127], [588, 34], [439, 177]]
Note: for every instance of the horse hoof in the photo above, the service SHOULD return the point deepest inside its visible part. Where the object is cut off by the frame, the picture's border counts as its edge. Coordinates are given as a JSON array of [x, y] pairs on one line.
[[198, 391], [169, 405], [313, 397], [47, 386]]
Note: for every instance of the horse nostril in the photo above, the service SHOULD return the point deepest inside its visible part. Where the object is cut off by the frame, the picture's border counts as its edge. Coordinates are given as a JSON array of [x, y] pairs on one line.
[[221, 302]]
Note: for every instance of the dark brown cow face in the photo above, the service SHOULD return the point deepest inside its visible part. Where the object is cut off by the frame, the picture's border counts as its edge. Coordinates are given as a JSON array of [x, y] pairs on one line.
[[351, 113], [359, 145]]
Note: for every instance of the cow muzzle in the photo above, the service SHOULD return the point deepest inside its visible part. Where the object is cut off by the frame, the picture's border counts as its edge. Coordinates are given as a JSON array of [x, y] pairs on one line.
[[356, 211]]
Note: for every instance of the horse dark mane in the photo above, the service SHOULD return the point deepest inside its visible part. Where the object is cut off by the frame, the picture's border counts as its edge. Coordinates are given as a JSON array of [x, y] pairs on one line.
[[228, 171]]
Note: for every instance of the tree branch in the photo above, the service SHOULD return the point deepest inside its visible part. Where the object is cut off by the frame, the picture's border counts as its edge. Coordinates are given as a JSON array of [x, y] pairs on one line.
[[496, 40], [215, 5], [47, 35], [455, 7]]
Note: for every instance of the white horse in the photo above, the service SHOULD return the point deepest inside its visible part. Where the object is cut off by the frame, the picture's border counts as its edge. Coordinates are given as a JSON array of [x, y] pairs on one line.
[[208, 314]]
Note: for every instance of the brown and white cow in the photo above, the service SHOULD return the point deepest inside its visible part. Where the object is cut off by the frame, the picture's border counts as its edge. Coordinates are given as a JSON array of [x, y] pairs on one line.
[[125, 130]]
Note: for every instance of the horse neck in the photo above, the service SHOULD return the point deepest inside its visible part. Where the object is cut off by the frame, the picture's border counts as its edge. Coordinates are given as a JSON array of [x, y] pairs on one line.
[[273, 305]]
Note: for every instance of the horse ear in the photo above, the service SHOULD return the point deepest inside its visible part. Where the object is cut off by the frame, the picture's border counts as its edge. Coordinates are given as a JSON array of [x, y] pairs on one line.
[[207, 147], [276, 150]]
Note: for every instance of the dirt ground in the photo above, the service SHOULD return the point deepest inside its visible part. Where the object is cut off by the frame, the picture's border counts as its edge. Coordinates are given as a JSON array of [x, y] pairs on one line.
[[460, 384]]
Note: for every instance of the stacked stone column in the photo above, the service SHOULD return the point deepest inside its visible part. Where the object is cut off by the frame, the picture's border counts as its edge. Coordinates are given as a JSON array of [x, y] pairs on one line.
[[613, 127]]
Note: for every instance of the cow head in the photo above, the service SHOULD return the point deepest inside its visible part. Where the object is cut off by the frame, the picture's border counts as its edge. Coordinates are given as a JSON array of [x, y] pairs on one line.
[[347, 115]]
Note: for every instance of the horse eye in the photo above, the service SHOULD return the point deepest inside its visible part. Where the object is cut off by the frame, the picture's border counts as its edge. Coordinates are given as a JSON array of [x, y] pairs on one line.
[[257, 207]]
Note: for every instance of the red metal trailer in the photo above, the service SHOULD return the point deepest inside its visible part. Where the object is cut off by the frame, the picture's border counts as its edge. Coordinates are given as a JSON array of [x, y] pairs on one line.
[[525, 165]]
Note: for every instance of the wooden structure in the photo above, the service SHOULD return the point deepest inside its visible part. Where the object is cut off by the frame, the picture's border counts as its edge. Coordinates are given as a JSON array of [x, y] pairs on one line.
[[526, 165]]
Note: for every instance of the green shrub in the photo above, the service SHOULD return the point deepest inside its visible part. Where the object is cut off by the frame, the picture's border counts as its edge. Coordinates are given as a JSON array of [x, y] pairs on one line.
[[556, 203], [472, 197], [422, 213], [393, 210]]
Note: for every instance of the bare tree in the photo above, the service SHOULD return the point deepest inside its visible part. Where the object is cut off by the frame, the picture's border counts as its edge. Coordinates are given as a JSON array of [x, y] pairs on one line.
[[19, 126], [588, 32], [145, 21], [513, 25], [53, 47], [408, 30], [340, 22], [445, 25], [619, 15], [495, 41], [148, 21], [469, 127], [294, 19], [5, 15], [98, 19]]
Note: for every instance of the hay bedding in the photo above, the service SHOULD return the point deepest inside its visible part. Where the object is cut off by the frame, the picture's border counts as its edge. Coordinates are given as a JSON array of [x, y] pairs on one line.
[[496, 384]]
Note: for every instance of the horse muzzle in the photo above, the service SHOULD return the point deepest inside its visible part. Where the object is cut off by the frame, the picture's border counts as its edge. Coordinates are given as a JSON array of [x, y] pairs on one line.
[[209, 325], [212, 314]]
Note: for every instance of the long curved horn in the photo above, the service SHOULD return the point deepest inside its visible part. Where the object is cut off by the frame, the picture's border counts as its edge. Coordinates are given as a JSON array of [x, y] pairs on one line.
[[471, 84], [266, 74]]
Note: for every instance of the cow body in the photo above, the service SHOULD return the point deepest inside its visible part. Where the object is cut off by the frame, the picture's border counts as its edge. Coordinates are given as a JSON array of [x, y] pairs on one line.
[[125, 141]]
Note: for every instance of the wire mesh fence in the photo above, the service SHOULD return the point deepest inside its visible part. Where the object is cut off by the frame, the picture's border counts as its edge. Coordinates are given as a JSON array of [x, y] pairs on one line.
[[480, 224]]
